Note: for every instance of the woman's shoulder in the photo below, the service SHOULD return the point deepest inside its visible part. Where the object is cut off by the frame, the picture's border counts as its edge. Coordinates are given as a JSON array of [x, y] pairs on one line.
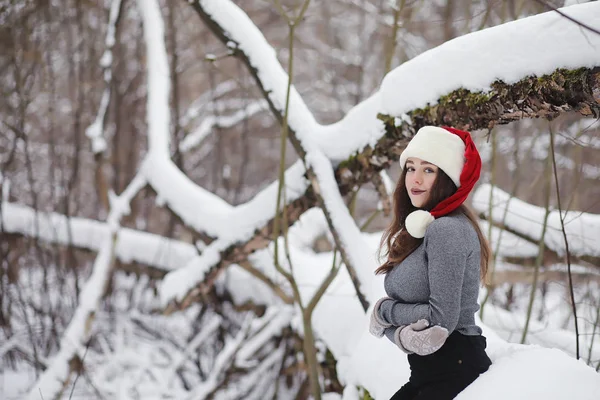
[[451, 226]]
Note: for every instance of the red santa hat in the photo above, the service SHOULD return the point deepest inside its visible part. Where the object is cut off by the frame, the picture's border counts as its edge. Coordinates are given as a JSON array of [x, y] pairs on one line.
[[452, 151]]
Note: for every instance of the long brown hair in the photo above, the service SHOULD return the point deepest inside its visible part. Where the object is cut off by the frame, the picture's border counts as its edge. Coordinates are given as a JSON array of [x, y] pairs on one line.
[[396, 242]]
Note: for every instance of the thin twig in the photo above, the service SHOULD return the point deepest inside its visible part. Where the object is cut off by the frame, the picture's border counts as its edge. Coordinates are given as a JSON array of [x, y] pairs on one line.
[[562, 14], [540, 256], [568, 256], [87, 346]]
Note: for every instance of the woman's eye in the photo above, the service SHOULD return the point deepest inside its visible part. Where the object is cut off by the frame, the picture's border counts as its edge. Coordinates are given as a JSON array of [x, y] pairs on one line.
[[410, 169], [429, 171]]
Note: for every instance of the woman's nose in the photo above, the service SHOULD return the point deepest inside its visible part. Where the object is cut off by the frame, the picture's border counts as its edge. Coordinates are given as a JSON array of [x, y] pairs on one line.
[[418, 177]]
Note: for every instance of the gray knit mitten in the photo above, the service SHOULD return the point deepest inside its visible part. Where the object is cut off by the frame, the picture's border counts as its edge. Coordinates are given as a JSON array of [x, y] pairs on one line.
[[417, 338], [377, 325], [398, 341]]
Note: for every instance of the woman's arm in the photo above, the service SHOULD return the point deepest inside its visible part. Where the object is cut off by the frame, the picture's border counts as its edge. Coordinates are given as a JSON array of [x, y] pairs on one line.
[[447, 251], [397, 313]]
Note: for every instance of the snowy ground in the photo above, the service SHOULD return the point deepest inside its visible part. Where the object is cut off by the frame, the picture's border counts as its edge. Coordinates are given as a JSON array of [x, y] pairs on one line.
[[129, 363]]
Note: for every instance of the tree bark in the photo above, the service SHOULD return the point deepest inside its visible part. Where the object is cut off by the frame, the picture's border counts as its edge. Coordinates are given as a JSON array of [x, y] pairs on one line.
[[546, 97]]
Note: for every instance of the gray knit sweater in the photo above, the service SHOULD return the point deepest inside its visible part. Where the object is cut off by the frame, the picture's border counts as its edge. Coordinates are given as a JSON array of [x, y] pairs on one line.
[[439, 281]]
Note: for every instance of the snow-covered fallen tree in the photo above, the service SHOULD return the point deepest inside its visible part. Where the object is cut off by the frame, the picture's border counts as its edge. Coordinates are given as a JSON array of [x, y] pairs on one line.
[[537, 80]]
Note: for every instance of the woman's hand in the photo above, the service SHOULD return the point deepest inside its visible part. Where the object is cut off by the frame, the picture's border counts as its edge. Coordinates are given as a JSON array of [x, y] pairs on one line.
[[377, 325], [418, 338]]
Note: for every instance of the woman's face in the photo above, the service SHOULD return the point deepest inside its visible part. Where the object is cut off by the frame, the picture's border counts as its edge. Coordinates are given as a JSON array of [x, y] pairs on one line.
[[420, 176]]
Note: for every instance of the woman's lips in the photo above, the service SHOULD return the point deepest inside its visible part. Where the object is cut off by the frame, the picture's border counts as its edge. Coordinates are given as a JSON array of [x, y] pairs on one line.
[[416, 191]]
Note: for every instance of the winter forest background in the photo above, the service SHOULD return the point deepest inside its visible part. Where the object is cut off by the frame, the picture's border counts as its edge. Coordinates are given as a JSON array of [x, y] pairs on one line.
[[146, 145]]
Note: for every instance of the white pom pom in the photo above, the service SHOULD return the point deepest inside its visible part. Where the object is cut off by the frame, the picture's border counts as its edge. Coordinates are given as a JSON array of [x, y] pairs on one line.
[[417, 222]]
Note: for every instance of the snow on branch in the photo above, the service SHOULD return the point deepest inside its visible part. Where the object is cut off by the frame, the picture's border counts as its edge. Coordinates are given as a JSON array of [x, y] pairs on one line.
[[344, 230], [534, 46], [159, 84], [583, 229], [198, 208], [247, 228], [359, 128], [132, 246], [546, 96], [95, 131], [199, 134], [263, 376], [229, 225], [270, 325], [55, 378], [208, 329], [197, 106], [224, 359], [234, 28], [511, 245], [494, 76], [172, 186]]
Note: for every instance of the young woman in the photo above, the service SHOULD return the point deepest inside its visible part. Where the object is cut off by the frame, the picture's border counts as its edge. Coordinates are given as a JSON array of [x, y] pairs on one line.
[[436, 257]]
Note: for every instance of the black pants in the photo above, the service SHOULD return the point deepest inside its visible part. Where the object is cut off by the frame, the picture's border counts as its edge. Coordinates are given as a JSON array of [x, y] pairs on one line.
[[447, 372]]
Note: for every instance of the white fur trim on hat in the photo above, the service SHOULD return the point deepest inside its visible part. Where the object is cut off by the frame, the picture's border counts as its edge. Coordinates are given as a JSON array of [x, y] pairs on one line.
[[440, 147], [417, 222]]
